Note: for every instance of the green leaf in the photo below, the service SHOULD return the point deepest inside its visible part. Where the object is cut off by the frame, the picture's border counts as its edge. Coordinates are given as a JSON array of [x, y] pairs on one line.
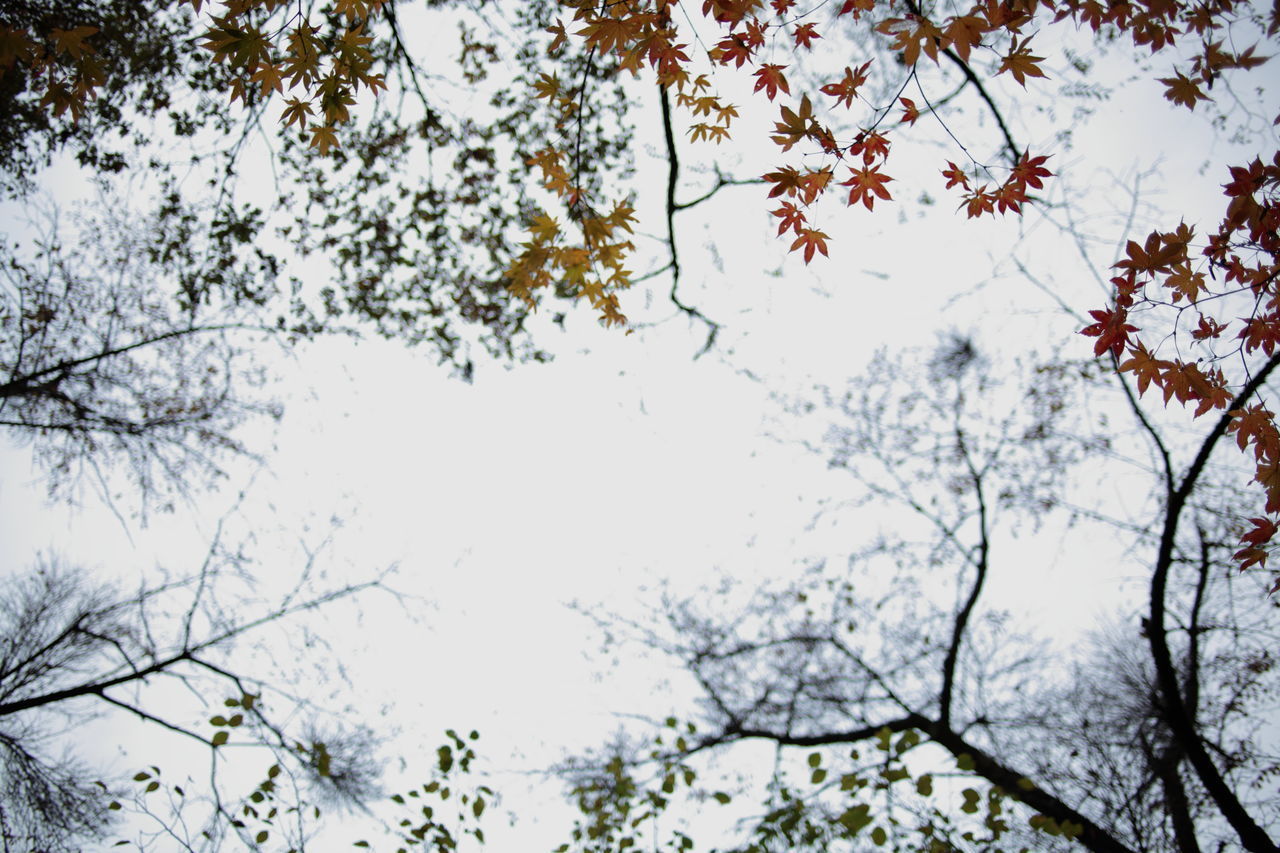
[[152, 786], [361, 844], [879, 836], [235, 720], [924, 785], [964, 761], [856, 819], [815, 758], [114, 806], [261, 836], [722, 798], [141, 776], [817, 777], [219, 738], [218, 720]]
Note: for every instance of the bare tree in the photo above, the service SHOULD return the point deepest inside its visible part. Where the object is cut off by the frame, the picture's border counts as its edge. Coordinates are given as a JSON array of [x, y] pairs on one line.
[[72, 651], [104, 366], [1151, 737]]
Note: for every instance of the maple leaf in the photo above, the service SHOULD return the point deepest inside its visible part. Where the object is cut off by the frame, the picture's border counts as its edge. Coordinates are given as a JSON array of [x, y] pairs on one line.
[[1146, 367], [909, 111], [557, 30], [794, 125], [1030, 171], [1182, 90], [955, 175], [71, 42], [870, 146], [793, 218], [1256, 425], [1259, 333], [770, 78], [297, 111], [732, 49], [787, 180], [856, 7], [811, 241], [847, 89], [964, 33], [323, 138], [805, 35], [866, 184], [1111, 330], [1207, 329], [1185, 284], [978, 202], [1021, 63], [1264, 529]]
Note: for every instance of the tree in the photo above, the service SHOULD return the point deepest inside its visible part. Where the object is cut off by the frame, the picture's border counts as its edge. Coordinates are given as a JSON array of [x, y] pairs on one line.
[[421, 275], [75, 650], [103, 372], [906, 700]]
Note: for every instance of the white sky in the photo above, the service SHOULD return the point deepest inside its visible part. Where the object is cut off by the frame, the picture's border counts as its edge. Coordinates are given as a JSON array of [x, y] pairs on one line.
[[624, 463]]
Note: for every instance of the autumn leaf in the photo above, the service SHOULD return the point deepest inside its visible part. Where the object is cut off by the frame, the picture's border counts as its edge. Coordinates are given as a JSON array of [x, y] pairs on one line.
[[792, 218], [811, 241], [770, 78], [866, 185], [1183, 91], [1021, 63], [805, 35], [955, 176], [794, 126], [1146, 367], [846, 89], [1111, 330], [909, 111]]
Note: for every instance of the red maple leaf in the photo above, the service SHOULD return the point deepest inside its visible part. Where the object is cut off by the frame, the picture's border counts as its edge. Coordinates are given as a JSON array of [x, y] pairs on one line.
[[1111, 330], [770, 78]]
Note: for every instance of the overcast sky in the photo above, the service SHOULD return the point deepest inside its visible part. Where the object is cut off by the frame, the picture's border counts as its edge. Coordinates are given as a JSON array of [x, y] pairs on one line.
[[626, 463]]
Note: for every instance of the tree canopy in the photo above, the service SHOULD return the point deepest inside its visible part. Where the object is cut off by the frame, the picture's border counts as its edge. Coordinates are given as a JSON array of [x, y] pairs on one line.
[[439, 172], [426, 251]]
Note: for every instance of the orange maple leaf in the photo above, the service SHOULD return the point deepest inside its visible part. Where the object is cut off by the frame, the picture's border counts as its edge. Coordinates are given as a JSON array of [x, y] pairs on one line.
[[866, 184], [1021, 63], [812, 241]]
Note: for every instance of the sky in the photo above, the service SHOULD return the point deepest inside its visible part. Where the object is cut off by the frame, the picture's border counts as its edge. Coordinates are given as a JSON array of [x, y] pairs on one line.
[[627, 464]]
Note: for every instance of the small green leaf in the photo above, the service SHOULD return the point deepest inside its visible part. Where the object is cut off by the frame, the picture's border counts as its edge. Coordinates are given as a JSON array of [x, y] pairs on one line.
[[114, 806], [722, 798], [261, 836], [815, 758], [817, 777], [152, 786], [477, 808], [361, 844], [219, 738], [964, 761], [218, 720], [235, 720], [879, 836]]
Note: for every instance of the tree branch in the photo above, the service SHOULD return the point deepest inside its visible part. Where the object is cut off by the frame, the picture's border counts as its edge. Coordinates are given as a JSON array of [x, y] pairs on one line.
[[1174, 708]]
